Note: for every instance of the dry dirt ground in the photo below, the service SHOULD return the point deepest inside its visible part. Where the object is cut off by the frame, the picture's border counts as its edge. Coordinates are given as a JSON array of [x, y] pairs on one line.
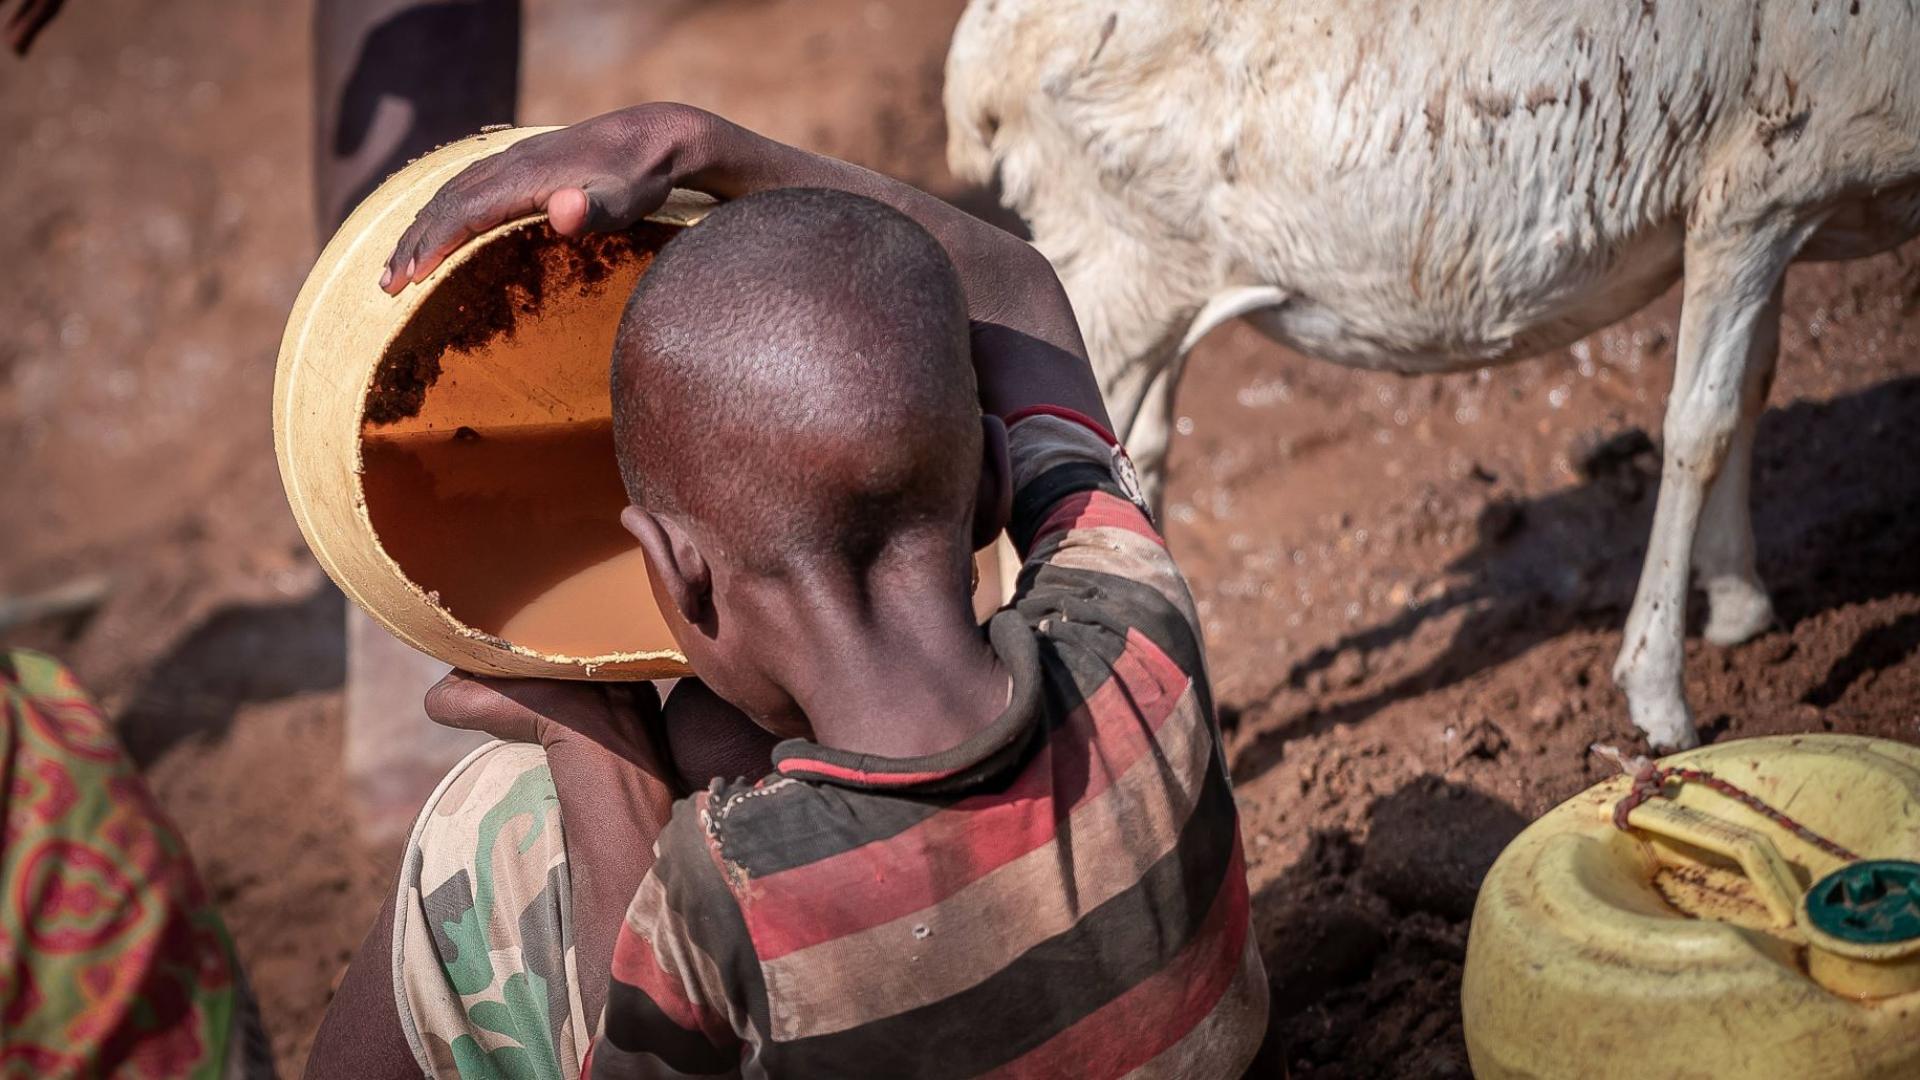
[[1413, 588]]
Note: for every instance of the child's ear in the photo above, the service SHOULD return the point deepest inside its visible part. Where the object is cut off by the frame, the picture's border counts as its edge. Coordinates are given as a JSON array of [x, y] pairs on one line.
[[993, 503], [680, 568]]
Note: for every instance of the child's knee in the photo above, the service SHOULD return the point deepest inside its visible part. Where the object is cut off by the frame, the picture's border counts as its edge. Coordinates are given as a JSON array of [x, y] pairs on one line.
[[483, 903]]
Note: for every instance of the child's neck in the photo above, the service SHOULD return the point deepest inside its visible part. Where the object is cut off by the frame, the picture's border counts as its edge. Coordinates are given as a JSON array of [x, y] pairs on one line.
[[895, 676]]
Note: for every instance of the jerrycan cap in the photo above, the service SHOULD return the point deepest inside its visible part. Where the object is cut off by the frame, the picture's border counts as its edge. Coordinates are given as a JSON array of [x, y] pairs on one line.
[[1862, 924], [1873, 902]]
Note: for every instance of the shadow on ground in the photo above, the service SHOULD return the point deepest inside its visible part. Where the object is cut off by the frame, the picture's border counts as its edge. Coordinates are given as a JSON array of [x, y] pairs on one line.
[[241, 654], [1835, 494], [1364, 941]]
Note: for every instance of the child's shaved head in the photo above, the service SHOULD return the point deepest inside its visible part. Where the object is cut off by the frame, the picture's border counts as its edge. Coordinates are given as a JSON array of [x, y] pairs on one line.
[[793, 377]]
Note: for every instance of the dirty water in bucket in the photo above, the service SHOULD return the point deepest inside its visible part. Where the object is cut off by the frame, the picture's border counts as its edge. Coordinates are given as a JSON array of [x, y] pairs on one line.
[[518, 534]]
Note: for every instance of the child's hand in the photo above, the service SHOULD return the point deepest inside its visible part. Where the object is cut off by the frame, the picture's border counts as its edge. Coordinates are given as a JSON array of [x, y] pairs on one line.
[[619, 718], [615, 794], [600, 174], [613, 170], [708, 738]]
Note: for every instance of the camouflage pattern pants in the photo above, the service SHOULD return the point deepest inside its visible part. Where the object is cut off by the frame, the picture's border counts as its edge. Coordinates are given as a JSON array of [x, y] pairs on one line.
[[483, 958]]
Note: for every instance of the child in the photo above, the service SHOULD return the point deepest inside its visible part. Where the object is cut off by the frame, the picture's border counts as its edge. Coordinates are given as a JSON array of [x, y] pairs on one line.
[[1011, 848]]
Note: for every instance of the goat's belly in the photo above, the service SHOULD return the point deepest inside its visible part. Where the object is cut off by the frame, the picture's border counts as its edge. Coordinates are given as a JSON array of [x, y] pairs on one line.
[[1369, 316]]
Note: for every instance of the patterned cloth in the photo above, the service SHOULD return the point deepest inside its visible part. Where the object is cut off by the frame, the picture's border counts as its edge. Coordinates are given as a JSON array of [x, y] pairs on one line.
[[483, 963], [113, 961], [1064, 894]]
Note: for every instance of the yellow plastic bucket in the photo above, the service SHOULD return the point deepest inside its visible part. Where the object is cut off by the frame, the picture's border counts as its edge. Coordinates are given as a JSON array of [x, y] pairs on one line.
[[1709, 938], [447, 453]]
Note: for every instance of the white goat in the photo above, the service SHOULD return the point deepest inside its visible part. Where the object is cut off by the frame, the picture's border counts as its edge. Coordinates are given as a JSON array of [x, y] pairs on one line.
[[1425, 187]]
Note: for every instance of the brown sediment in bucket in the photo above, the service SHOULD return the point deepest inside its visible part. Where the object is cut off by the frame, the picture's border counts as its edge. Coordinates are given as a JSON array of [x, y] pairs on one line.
[[487, 458], [488, 296]]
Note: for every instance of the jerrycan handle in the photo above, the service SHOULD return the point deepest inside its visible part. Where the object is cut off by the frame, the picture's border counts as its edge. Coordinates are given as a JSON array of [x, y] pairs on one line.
[[1772, 876]]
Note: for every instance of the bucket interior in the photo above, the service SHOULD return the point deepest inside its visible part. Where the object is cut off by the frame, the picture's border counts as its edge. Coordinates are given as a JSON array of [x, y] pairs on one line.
[[487, 446]]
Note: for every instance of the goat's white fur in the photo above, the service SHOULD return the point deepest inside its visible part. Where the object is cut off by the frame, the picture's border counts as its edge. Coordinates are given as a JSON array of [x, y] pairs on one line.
[[1426, 187]]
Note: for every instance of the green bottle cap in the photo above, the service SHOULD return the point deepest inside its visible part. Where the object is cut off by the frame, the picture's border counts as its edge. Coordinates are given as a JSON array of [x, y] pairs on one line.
[[1873, 902]]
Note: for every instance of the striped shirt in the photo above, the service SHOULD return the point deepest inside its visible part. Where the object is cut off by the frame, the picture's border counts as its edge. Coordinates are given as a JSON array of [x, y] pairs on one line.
[[1062, 894]]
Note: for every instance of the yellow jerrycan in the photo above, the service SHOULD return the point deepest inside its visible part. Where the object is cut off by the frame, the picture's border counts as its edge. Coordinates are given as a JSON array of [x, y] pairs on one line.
[[1744, 910]]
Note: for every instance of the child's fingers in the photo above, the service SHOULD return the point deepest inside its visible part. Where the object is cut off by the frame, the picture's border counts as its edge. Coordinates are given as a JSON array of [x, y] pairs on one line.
[[546, 711], [569, 209], [484, 195], [600, 205], [437, 232], [616, 203], [638, 701], [455, 217], [490, 706], [567, 173]]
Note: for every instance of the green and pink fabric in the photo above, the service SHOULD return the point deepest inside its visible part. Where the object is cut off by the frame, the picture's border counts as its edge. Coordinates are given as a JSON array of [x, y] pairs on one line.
[[113, 961]]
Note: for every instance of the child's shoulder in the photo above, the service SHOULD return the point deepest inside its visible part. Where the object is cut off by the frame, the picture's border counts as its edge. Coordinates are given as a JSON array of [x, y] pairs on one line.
[[755, 829]]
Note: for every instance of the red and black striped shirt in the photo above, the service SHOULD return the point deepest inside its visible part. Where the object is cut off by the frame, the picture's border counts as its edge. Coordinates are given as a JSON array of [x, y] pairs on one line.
[[1062, 894]]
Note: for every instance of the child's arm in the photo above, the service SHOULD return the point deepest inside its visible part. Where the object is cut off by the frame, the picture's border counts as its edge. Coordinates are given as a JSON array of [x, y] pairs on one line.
[[613, 786], [611, 171]]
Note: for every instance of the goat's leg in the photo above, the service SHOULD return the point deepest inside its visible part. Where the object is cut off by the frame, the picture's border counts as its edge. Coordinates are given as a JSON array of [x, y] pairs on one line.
[[1730, 282], [1147, 427], [1150, 435], [1738, 607], [1131, 360]]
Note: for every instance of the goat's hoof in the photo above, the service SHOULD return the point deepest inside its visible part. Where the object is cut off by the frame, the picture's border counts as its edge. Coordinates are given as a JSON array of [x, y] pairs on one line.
[[1668, 723], [1736, 615]]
